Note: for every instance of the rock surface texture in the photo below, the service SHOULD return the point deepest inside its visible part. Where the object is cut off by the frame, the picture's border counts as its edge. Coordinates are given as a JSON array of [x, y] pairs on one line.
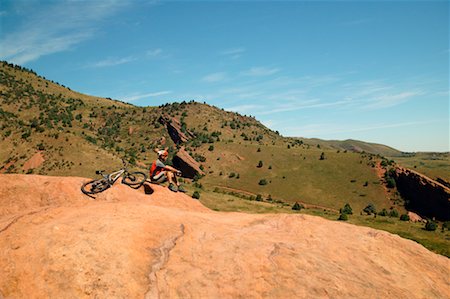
[[57, 243]]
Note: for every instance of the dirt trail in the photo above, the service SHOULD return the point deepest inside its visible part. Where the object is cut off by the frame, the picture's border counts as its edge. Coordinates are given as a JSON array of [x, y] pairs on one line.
[[128, 244], [306, 205]]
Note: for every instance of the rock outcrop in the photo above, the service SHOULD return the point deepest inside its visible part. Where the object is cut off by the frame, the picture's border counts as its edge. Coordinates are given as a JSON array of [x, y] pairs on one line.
[[174, 129], [35, 161], [188, 166], [57, 243], [182, 160], [423, 195]]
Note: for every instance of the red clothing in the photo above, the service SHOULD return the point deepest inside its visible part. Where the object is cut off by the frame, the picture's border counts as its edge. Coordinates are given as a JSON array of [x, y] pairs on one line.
[[156, 168]]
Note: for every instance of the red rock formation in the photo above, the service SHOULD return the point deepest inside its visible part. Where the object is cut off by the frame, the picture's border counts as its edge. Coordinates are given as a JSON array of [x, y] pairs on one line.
[[188, 166], [174, 129], [422, 194], [57, 243], [34, 161]]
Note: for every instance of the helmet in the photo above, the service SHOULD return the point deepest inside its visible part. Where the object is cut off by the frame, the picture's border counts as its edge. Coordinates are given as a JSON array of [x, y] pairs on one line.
[[162, 153]]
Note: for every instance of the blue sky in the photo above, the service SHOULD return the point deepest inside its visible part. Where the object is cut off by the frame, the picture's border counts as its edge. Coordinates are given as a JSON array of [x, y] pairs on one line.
[[372, 71]]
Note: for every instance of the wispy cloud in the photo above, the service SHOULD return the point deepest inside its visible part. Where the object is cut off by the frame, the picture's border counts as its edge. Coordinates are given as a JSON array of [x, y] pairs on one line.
[[233, 53], [390, 100], [154, 52], [112, 62], [328, 129], [215, 77], [136, 97], [260, 71], [54, 27]]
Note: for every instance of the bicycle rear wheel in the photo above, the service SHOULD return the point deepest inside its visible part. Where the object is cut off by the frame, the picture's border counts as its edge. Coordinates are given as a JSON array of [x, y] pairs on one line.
[[95, 186], [134, 179]]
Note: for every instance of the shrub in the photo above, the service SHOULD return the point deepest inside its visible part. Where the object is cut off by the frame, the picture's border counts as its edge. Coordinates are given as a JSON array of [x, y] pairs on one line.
[[196, 195], [262, 182], [347, 209], [369, 209], [390, 182], [430, 225], [297, 206], [404, 217], [258, 197], [343, 217], [260, 164], [322, 156], [393, 213], [232, 175], [211, 148], [446, 225], [383, 212]]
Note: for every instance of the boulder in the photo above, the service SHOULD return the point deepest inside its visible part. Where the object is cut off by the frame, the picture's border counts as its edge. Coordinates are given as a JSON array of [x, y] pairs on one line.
[[188, 166], [414, 217]]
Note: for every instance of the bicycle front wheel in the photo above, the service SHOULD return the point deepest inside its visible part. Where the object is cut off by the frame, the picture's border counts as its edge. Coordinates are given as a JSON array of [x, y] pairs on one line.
[[134, 179], [95, 186]]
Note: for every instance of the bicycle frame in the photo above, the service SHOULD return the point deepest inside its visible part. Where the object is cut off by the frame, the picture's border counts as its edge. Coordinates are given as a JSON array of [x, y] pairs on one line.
[[114, 176]]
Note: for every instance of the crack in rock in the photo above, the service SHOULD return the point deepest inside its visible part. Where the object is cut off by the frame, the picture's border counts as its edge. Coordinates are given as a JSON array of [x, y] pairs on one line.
[[163, 256], [17, 218]]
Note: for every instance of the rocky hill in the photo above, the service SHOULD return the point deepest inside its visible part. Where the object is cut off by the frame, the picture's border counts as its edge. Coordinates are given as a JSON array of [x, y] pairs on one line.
[[48, 129], [55, 242]]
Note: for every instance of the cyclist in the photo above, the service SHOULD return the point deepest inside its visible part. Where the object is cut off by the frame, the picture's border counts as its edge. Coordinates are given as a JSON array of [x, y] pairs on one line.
[[159, 172]]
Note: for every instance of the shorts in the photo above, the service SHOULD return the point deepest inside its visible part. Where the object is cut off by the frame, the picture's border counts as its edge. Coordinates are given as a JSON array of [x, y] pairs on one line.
[[160, 177]]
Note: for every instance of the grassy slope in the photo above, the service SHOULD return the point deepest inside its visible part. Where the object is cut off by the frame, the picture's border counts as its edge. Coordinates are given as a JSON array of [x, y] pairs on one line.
[[68, 152], [433, 165], [297, 174]]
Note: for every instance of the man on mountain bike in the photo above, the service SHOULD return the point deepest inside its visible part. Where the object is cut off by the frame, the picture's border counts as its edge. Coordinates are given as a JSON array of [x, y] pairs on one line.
[[159, 172]]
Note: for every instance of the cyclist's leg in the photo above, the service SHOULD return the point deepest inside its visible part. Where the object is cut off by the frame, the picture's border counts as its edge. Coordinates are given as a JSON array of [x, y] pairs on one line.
[[160, 177]]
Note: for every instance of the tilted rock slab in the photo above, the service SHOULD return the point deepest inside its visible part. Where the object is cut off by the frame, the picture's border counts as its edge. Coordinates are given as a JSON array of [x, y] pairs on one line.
[[188, 166], [58, 243], [425, 196]]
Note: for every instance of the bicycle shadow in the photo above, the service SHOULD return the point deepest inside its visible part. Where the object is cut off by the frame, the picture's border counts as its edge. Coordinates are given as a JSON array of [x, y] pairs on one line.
[[148, 190]]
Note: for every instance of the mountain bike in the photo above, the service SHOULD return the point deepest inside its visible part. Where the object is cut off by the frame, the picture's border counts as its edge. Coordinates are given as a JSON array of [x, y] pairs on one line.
[[133, 179]]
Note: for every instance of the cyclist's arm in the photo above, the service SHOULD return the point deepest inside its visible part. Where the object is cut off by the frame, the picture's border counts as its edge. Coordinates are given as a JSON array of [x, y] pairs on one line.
[[170, 168], [166, 167]]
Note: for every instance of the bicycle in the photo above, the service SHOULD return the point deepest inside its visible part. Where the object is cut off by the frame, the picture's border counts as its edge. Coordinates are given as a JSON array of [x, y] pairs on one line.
[[133, 179]]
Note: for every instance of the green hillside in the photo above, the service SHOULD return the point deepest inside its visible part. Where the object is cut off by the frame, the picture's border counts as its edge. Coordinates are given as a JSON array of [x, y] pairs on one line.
[[357, 146], [434, 165], [248, 167], [78, 134]]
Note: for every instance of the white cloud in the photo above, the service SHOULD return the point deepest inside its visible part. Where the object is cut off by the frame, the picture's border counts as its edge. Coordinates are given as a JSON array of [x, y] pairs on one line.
[[53, 27], [112, 62], [233, 53], [390, 100], [215, 77], [329, 129], [154, 52], [260, 71], [136, 97]]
